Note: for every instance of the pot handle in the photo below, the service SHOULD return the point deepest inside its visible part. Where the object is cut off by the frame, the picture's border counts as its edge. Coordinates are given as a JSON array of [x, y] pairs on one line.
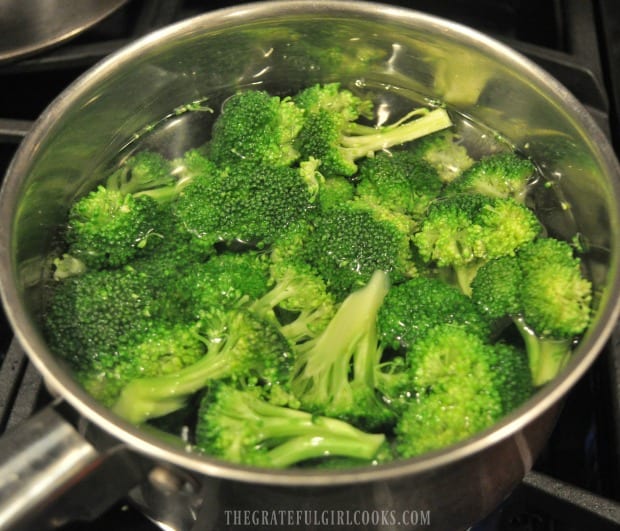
[[51, 474]]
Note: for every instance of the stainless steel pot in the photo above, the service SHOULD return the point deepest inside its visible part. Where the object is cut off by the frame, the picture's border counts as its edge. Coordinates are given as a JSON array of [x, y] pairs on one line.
[[277, 45]]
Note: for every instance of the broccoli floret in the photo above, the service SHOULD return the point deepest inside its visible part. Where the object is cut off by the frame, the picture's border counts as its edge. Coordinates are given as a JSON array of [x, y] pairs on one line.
[[299, 299], [338, 144], [291, 246], [444, 151], [121, 219], [353, 240], [393, 383], [412, 308], [226, 280], [495, 289], [240, 427], [239, 346], [334, 192], [332, 97], [437, 421], [90, 316], [193, 163], [556, 304], [145, 173], [456, 393], [302, 296], [334, 373], [420, 305], [163, 350], [543, 291], [170, 265], [464, 231], [189, 282], [107, 228], [245, 201], [331, 134], [500, 175], [399, 181], [258, 127], [556, 296], [511, 375]]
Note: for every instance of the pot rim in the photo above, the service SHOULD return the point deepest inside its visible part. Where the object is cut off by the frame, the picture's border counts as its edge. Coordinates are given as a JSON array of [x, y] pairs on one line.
[[56, 377]]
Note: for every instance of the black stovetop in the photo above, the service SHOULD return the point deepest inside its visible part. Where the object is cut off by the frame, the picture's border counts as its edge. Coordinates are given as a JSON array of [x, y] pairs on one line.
[[575, 484]]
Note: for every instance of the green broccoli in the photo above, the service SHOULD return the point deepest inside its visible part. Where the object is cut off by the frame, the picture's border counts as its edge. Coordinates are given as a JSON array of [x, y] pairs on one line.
[[194, 163], [503, 175], [301, 295], [241, 427], [463, 231], [239, 346], [400, 181], [169, 266], [257, 127], [334, 372], [226, 280], [332, 97], [392, 380], [556, 296], [331, 134], [291, 247], [246, 201], [145, 173], [120, 219], [459, 381], [164, 349], [335, 191], [444, 151], [295, 290], [543, 291], [107, 228], [413, 307], [89, 317], [351, 241], [495, 290], [511, 375]]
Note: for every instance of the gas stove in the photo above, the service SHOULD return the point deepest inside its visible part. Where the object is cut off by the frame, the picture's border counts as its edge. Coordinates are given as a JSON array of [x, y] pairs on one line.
[[575, 483]]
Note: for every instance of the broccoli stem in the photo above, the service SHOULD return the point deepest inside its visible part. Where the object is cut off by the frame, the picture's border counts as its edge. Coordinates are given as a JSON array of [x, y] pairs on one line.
[[366, 358], [323, 368], [146, 398], [302, 448], [276, 422], [284, 288], [163, 195], [122, 181], [301, 327], [263, 433], [289, 286], [546, 355], [68, 266], [360, 145]]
